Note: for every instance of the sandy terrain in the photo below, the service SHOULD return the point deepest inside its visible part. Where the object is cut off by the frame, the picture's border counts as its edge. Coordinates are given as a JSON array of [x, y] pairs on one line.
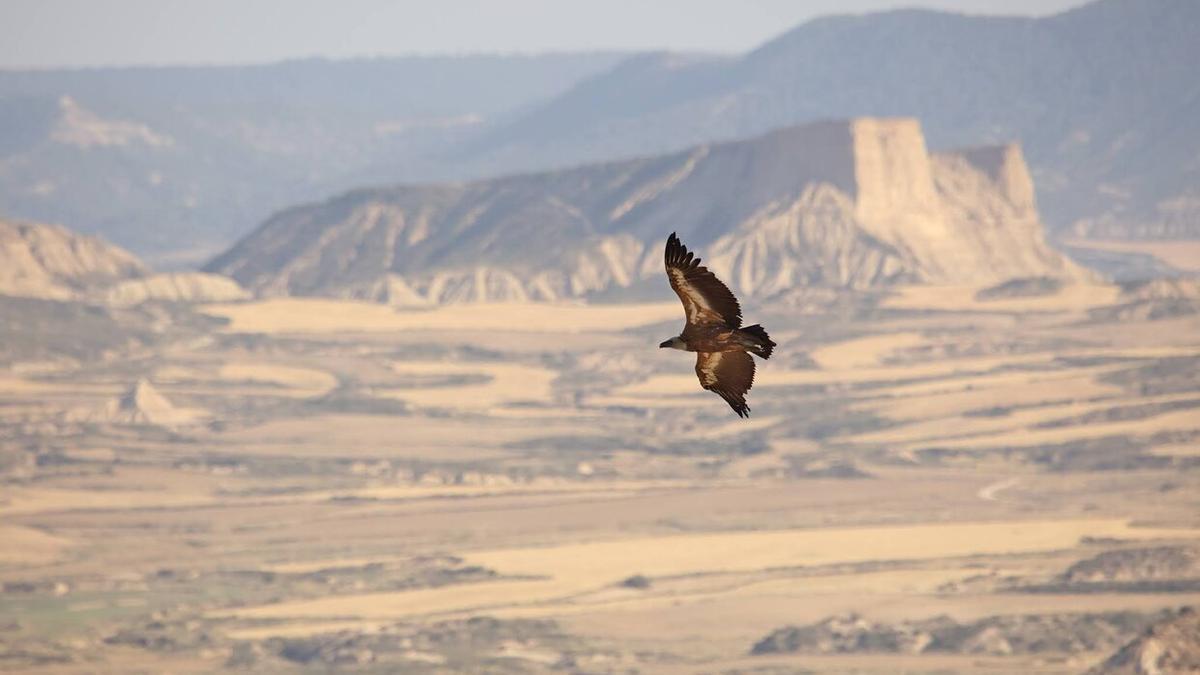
[[27, 546], [505, 383], [296, 315], [1073, 297], [372, 472], [1181, 254], [863, 352], [303, 381], [578, 571]]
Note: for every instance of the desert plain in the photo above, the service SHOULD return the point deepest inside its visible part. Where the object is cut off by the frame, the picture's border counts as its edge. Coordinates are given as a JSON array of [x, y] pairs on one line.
[[933, 479]]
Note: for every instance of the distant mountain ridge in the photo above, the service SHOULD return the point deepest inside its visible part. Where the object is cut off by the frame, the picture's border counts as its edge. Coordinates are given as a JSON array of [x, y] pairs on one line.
[[168, 159], [1104, 99], [857, 203], [175, 163]]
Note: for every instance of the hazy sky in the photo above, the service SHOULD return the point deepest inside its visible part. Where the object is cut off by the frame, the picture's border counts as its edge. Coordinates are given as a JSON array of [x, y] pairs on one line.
[[120, 32]]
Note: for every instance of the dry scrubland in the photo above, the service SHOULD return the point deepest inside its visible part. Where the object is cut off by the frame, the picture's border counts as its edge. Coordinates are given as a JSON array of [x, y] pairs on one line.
[[930, 481]]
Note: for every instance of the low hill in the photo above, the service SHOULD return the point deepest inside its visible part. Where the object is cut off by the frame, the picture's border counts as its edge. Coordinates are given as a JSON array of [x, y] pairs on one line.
[[170, 161], [1042, 634], [174, 287], [141, 405], [52, 262], [855, 203], [1170, 646]]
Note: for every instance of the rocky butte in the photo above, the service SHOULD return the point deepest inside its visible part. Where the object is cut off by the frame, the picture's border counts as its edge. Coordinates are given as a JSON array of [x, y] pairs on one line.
[[857, 203]]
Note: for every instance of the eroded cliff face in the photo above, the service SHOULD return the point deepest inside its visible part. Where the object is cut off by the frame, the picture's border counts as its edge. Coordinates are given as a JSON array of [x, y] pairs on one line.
[[987, 196], [812, 240], [857, 203], [51, 262], [966, 216]]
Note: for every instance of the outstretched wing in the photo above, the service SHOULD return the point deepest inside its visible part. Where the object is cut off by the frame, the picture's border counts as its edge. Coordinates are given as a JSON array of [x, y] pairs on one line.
[[705, 298], [728, 375]]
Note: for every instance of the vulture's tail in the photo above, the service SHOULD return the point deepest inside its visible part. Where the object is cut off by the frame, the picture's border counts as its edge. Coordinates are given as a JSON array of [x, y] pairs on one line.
[[758, 341]]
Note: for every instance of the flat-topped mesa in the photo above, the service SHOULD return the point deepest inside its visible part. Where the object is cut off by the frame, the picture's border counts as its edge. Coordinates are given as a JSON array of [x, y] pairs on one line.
[[846, 203]]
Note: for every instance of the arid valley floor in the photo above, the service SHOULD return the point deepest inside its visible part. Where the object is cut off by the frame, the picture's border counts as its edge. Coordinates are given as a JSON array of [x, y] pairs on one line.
[[933, 479], [344, 359]]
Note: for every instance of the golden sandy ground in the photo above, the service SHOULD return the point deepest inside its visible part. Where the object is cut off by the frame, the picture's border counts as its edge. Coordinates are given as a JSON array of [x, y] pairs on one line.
[[659, 386], [732, 557], [1181, 254], [405, 437], [308, 315], [304, 381], [563, 575], [1074, 297], [863, 352], [27, 546], [506, 383], [981, 430]]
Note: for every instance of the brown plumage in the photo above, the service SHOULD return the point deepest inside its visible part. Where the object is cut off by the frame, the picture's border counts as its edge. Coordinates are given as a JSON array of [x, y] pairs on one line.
[[713, 329]]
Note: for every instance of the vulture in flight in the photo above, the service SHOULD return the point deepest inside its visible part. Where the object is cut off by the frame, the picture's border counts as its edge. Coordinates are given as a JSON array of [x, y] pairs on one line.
[[714, 329]]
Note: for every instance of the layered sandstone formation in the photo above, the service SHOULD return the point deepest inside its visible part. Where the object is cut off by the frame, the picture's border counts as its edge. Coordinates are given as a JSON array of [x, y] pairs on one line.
[[51, 262], [858, 203]]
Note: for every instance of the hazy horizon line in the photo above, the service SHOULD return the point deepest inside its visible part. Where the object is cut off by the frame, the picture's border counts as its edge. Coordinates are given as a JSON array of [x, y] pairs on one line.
[[332, 55]]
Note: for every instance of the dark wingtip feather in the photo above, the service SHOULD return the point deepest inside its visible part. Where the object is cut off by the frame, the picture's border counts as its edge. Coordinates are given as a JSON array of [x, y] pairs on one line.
[[676, 254], [737, 403]]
